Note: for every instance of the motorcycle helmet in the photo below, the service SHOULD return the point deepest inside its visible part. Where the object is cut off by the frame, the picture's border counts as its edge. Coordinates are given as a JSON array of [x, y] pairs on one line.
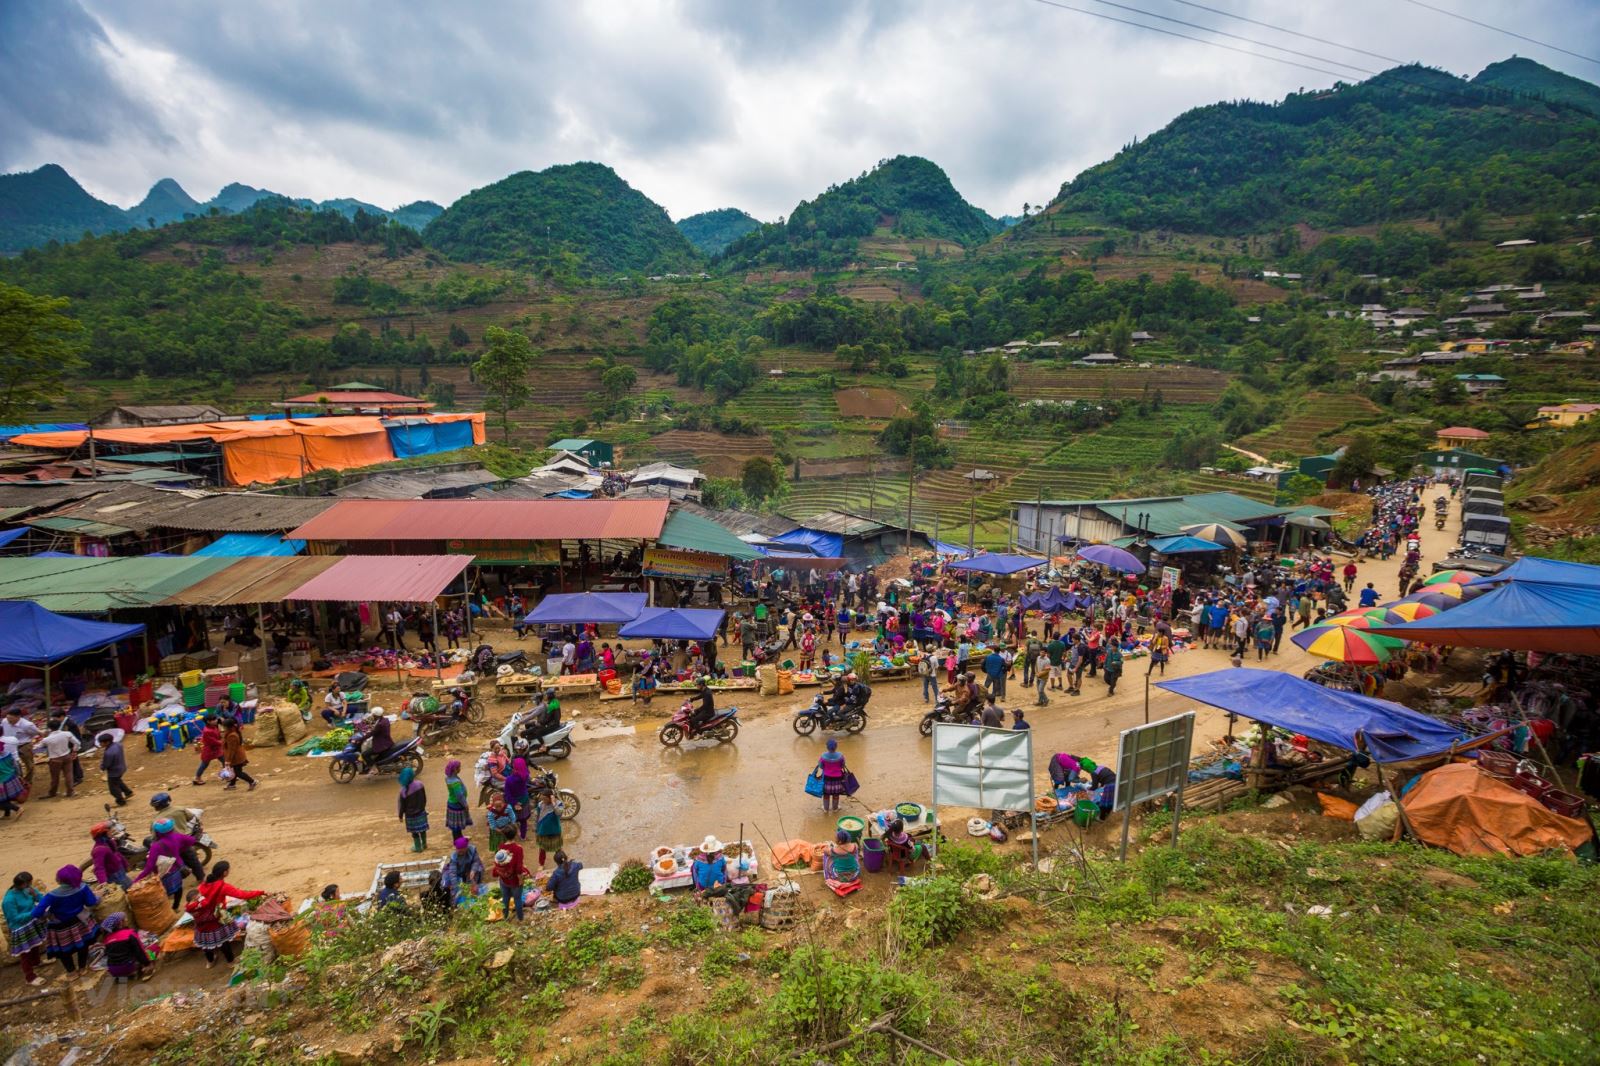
[[99, 828], [162, 826], [161, 801]]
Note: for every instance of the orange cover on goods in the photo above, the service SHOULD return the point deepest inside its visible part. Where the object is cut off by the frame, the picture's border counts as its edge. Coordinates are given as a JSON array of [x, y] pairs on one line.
[[1470, 813]]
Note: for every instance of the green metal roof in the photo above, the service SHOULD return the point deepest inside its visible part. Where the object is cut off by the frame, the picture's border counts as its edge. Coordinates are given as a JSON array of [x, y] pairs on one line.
[[573, 444], [1167, 515], [1308, 511], [87, 585], [161, 457], [691, 532], [83, 527]]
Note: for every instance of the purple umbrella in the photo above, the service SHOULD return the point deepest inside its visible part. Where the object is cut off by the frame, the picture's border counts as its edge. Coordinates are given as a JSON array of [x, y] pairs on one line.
[[1112, 556]]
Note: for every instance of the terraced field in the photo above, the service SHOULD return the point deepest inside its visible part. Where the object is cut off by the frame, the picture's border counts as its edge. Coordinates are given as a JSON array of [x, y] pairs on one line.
[[1311, 427], [784, 404], [717, 454], [1178, 384]]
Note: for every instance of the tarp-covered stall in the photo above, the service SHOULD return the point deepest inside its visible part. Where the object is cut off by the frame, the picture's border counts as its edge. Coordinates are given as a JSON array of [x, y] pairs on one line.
[[1392, 733], [31, 634], [995, 563], [1471, 813], [1544, 571], [411, 437], [585, 608], [673, 623], [239, 545], [1519, 615]]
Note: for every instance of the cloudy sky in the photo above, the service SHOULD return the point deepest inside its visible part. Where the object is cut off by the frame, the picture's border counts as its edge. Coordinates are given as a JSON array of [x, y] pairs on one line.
[[697, 103]]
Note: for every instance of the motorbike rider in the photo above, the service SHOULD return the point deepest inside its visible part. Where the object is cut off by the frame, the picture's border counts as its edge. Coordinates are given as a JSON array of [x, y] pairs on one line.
[[546, 721], [705, 708], [966, 698], [182, 823], [374, 741]]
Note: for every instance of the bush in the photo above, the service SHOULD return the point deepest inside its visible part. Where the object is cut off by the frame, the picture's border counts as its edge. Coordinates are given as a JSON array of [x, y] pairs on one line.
[[933, 911]]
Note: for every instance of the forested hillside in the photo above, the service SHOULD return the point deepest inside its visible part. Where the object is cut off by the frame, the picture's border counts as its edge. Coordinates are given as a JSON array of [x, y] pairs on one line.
[[579, 217], [712, 231], [906, 196], [1409, 143]]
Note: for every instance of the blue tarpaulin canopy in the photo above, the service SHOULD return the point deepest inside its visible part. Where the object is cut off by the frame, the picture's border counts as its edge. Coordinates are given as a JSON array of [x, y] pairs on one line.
[[949, 549], [1183, 545], [1519, 615], [581, 608], [31, 634], [9, 535], [826, 545], [674, 623], [996, 563], [253, 544], [1392, 733], [411, 438], [1050, 600], [1548, 571]]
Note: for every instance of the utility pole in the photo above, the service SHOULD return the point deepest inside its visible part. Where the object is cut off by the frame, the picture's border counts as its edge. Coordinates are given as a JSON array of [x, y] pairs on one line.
[[872, 486], [911, 490], [1038, 507], [94, 465]]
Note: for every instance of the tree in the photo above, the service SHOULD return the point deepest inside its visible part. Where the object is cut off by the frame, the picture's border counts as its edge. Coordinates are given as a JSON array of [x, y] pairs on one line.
[[617, 381], [1302, 487], [1358, 460], [760, 478], [1120, 337], [38, 350], [503, 372]]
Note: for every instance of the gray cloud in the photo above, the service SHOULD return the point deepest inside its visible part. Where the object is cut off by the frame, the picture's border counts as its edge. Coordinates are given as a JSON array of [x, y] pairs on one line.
[[56, 83], [698, 103]]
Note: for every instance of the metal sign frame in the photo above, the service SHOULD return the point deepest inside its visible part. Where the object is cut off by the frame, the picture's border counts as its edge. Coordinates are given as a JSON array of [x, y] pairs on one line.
[[1153, 761], [970, 759]]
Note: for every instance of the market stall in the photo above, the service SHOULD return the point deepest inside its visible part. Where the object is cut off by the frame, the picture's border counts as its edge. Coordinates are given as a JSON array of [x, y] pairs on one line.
[[34, 637]]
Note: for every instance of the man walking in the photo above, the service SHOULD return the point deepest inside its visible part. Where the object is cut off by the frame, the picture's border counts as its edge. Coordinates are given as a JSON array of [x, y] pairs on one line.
[[61, 748], [21, 730], [926, 671], [1056, 651], [114, 763], [994, 668]]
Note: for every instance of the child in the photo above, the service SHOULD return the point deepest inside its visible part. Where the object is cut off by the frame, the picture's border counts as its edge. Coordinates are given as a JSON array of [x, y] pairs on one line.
[[510, 871]]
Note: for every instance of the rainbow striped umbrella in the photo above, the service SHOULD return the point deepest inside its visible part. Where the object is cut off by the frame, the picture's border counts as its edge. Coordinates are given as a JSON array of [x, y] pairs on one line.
[[1378, 617], [1345, 644], [1437, 598], [1351, 619], [1450, 577], [1414, 610]]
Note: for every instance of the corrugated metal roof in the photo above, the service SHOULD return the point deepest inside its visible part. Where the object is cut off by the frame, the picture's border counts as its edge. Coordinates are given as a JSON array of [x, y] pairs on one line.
[[694, 533], [82, 527], [163, 456], [414, 486], [1167, 515], [85, 585], [265, 579], [384, 578], [414, 520], [140, 508], [841, 522], [356, 397]]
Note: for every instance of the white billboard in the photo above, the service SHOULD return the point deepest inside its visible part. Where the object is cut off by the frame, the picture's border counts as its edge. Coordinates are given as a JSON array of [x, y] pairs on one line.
[[988, 769]]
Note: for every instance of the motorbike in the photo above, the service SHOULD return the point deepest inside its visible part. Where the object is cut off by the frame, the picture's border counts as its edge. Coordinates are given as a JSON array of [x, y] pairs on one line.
[[724, 725], [567, 801], [346, 766], [516, 661], [944, 710], [851, 718], [433, 719], [1438, 520], [516, 739], [136, 851]]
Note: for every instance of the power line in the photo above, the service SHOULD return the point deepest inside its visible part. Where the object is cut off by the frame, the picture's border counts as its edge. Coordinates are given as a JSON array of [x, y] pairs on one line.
[[1508, 33], [1292, 33], [1234, 36], [1187, 37]]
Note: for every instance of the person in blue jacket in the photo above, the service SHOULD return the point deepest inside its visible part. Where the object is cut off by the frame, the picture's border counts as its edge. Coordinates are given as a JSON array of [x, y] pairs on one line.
[[68, 915], [563, 885]]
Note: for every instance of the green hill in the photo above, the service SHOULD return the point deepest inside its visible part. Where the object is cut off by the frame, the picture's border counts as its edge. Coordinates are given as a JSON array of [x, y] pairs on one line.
[[712, 231], [578, 216], [47, 205], [165, 202], [416, 215], [1409, 143], [906, 196], [1524, 77]]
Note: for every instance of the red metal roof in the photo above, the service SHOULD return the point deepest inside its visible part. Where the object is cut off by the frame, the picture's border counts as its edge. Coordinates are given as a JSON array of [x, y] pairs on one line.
[[384, 578], [1462, 431], [413, 520]]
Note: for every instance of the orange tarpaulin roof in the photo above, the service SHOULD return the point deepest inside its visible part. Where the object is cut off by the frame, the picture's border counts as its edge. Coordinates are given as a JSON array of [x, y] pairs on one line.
[[1459, 808], [267, 450]]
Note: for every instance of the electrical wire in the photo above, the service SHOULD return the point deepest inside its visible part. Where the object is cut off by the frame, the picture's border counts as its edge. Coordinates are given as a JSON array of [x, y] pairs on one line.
[[1234, 36], [1508, 33], [1292, 33], [1187, 37]]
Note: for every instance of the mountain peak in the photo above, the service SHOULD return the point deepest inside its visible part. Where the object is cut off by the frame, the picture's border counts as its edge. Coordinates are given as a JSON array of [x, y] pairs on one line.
[[712, 231]]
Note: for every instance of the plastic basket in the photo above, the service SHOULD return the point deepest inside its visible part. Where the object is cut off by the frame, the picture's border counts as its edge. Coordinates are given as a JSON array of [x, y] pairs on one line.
[[1564, 803], [1501, 764]]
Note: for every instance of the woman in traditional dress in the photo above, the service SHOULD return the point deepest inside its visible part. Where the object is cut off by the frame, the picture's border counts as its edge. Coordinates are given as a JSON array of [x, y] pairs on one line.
[[413, 808]]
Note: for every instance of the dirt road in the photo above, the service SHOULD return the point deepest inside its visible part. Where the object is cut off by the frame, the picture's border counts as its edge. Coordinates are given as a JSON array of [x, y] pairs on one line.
[[299, 830]]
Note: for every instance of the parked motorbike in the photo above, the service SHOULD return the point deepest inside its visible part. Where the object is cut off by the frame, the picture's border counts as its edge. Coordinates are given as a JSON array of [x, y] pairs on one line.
[[518, 740], [136, 851], [516, 660], [346, 766], [434, 717], [944, 710], [567, 802], [851, 718], [724, 725]]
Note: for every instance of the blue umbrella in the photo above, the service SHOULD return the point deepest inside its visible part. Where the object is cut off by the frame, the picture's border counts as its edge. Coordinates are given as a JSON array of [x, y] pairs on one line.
[[1112, 556]]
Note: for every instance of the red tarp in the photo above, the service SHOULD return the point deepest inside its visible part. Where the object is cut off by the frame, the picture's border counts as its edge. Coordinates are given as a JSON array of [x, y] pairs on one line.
[[384, 578], [1459, 808], [481, 520]]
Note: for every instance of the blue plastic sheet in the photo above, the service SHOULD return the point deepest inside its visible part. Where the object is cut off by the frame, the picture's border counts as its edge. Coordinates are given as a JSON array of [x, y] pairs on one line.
[[31, 634], [826, 545], [411, 439]]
